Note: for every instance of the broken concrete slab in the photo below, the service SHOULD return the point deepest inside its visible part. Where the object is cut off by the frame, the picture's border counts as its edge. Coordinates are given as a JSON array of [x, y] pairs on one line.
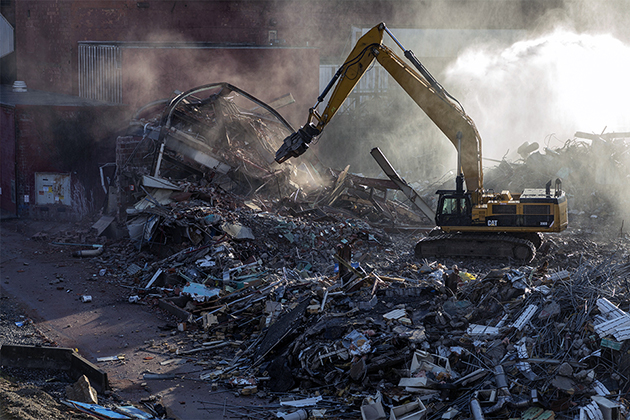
[[37, 357]]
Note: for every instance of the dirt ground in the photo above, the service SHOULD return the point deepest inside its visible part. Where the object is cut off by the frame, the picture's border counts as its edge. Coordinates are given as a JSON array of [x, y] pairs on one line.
[[42, 284]]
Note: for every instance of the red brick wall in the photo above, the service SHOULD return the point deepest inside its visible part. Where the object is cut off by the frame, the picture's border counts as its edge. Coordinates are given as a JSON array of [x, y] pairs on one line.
[[47, 142], [48, 32], [134, 158], [8, 201]]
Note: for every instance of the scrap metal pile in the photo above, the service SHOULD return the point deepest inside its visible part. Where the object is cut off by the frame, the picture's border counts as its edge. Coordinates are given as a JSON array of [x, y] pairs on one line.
[[312, 299], [328, 316], [593, 169], [222, 135]]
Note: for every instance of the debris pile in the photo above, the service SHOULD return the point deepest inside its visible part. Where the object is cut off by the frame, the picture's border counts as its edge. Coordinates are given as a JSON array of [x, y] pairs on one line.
[[300, 285], [593, 169], [329, 316]]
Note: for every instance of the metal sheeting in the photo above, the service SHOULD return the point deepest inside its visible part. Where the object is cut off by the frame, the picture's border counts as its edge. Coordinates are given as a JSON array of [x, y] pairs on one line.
[[100, 72], [7, 38]]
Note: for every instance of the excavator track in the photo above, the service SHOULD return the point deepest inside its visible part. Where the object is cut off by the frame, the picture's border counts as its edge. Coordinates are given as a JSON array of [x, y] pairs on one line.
[[475, 245]]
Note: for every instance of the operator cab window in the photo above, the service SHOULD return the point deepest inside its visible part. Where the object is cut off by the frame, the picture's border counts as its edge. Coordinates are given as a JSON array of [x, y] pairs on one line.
[[455, 206], [454, 211]]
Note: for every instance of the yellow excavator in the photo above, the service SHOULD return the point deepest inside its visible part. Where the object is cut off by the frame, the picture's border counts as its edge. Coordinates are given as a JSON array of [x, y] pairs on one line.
[[472, 222]]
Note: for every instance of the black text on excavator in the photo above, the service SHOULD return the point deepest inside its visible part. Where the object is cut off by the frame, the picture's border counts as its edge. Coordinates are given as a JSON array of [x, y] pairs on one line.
[[472, 222]]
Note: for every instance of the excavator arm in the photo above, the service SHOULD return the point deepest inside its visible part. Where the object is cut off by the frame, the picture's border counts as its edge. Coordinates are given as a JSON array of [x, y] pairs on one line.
[[427, 93]]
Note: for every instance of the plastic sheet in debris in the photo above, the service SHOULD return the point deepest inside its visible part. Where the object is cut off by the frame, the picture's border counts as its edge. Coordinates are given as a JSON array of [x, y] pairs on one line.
[[372, 407], [414, 410], [357, 343], [237, 231], [95, 410], [199, 292], [133, 412]]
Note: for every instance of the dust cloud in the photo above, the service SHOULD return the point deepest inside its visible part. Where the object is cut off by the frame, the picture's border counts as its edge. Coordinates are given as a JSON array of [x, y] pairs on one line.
[[568, 75], [165, 62], [544, 89]]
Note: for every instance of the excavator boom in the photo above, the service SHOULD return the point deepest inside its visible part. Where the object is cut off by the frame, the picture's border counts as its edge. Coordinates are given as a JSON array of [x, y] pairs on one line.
[[472, 222], [443, 110]]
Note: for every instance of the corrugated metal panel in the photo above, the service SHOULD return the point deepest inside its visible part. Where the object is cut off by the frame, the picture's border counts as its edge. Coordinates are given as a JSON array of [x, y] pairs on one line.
[[7, 44], [100, 72]]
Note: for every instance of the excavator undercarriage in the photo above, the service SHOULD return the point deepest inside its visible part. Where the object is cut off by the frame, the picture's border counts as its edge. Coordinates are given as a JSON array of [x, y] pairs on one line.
[[479, 245]]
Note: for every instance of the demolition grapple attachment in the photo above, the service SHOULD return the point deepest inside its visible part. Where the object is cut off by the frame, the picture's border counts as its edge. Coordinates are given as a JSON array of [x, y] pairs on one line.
[[297, 143]]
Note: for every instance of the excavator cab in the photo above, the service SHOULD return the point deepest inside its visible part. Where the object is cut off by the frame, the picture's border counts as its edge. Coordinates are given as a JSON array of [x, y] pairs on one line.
[[453, 209]]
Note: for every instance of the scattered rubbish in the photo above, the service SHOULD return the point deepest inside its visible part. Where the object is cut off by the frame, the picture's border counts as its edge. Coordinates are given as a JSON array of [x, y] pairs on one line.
[[414, 410], [96, 251], [119, 357], [307, 402], [95, 410], [237, 231], [200, 292], [296, 415], [372, 408], [133, 412], [357, 343], [23, 322], [302, 287]]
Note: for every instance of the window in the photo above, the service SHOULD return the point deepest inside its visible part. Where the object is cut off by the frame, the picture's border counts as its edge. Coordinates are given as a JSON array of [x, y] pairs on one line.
[[454, 206]]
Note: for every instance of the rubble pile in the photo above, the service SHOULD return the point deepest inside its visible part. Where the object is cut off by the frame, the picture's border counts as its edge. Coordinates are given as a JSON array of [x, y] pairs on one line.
[[329, 316], [593, 169], [307, 294]]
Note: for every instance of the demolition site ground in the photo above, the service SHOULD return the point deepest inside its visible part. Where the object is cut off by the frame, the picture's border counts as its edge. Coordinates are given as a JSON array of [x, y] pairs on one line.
[[215, 283], [43, 290]]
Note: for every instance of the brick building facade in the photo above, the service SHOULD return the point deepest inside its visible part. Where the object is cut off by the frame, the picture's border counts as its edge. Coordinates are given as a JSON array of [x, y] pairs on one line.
[[265, 47], [48, 32], [45, 133]]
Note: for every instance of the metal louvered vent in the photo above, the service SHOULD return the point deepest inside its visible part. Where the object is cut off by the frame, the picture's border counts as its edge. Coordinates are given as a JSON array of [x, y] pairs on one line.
[[100, 72]]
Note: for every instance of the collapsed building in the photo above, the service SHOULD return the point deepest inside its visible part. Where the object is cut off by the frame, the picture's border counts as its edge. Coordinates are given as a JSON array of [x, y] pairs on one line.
[[221, 135]]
